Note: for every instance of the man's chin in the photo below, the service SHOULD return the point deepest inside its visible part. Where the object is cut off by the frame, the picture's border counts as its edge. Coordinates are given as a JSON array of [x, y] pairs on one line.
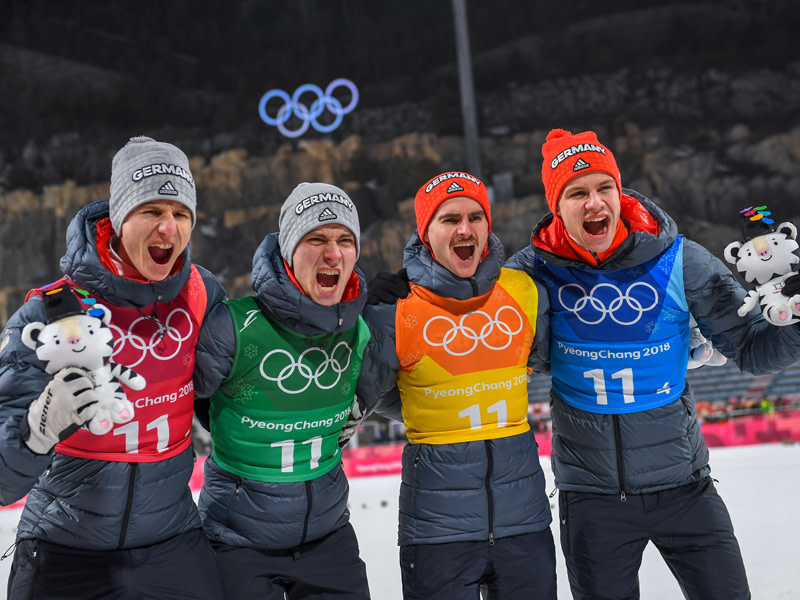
[[598, 246], [327, 298], [155, 271]]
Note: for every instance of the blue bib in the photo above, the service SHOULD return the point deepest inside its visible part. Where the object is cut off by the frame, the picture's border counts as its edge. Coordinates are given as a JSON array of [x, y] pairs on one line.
[[619, 338]]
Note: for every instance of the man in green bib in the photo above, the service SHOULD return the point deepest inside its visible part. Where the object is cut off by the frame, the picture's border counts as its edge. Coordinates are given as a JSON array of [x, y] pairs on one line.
[[278, 370]]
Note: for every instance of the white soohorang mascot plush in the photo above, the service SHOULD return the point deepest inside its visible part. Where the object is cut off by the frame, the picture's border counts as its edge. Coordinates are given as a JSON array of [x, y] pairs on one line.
[[767, 257], [73, 337]]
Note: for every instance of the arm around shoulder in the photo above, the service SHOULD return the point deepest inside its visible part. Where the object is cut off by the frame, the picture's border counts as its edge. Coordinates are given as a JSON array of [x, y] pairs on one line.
[[380, 364], [215, 351], [215, 292]]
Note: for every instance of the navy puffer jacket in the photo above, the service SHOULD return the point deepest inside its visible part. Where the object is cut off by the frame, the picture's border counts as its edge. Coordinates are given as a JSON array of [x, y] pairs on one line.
[[260, 514]]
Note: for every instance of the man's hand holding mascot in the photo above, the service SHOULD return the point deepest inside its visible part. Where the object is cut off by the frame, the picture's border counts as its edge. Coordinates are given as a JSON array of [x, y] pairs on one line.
[[75, 345]]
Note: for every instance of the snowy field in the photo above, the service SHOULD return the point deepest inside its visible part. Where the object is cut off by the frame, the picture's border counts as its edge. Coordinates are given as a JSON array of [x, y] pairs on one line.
[[760, 484]]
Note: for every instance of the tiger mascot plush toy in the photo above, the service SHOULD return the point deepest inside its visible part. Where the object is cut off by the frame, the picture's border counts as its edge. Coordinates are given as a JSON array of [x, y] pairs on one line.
[[74, 337], [767, 260]]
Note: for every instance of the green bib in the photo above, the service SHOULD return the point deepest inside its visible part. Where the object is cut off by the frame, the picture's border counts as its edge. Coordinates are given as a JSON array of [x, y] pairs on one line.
[[279, 413]]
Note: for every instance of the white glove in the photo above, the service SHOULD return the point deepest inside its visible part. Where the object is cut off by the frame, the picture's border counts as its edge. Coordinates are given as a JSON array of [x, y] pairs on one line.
[[352, 424], [701, 352], [66, 404]]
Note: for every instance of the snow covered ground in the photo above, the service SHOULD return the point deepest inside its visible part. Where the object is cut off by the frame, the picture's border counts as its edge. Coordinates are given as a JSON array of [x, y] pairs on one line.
[[760, 484]]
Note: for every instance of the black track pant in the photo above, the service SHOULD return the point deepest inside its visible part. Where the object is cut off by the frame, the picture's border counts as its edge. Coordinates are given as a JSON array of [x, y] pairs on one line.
[[326, 569], [520, 567], [603, 540], [180, 568]]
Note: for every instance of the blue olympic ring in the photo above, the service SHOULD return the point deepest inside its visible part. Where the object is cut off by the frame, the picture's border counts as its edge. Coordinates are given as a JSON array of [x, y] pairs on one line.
[[308, 116]]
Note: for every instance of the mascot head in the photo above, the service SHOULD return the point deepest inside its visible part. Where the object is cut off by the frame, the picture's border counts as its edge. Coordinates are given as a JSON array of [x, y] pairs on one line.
[[767, 251], [71, 337]]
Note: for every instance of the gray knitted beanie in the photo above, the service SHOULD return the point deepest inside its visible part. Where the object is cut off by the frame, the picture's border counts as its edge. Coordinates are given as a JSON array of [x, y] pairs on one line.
[[145, 170], [309, 206]]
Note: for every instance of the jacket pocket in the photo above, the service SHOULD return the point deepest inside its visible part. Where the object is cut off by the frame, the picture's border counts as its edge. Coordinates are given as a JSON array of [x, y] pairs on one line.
[[563, 520], [23, 570]]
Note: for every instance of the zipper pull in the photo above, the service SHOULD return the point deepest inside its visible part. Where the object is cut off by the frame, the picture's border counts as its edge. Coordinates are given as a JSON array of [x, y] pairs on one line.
[[553, 493], [491, 539], [622, 497], [9, 552]]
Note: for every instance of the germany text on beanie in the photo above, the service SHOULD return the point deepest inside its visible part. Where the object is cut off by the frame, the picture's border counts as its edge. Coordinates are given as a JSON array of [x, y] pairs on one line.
[[443, 187], [567, 155]]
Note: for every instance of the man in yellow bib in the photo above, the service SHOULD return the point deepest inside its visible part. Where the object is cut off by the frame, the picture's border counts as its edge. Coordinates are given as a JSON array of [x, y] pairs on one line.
[[473, 508]]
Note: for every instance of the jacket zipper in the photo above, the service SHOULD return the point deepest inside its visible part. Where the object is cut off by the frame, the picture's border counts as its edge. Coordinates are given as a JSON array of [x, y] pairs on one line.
[[474, 283], [618, 450], [128, 503], [489, 496]]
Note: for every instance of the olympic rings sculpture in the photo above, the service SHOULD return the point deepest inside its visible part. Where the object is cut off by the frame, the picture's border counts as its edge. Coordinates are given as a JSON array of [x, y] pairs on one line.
[[153, 345], [616, 303], [308, 116], [337, 367], [470, 334]]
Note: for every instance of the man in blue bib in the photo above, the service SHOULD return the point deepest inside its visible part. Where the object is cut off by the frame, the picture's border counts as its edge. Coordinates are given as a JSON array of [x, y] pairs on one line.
[[628, 456]]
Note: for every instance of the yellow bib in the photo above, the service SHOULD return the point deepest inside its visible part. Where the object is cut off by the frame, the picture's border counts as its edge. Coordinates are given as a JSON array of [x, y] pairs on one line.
[[463, 373]]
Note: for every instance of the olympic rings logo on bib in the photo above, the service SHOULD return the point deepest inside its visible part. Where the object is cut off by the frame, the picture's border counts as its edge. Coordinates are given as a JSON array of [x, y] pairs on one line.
[[623, 308], [308, 115], [146, 335], [302, 374], [460, 332]]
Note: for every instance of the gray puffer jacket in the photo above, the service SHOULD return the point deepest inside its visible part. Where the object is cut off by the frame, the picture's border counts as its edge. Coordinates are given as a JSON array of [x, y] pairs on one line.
[[259, 514], [78, 502], [660, 448], [467, 491]]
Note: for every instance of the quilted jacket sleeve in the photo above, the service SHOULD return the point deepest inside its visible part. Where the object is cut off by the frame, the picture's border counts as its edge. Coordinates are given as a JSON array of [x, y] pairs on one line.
[[215, 351], [539, 359], [714, 296], [215, 347], [22, 380], [377, 383]]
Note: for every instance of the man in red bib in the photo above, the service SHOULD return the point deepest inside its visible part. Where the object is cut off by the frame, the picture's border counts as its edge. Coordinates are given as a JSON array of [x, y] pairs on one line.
[[111, 516]]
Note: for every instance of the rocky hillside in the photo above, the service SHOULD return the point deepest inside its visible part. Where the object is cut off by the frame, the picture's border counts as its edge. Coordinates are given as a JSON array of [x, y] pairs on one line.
[[701, 126]]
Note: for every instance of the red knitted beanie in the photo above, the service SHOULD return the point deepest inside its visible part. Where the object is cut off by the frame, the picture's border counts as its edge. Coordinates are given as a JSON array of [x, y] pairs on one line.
[[567, 155], [443, 187]]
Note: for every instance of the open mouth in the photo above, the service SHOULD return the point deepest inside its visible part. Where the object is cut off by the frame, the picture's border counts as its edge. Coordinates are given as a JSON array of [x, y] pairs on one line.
[[327, 280], [160, 253], [464, 251], [596, 226]]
